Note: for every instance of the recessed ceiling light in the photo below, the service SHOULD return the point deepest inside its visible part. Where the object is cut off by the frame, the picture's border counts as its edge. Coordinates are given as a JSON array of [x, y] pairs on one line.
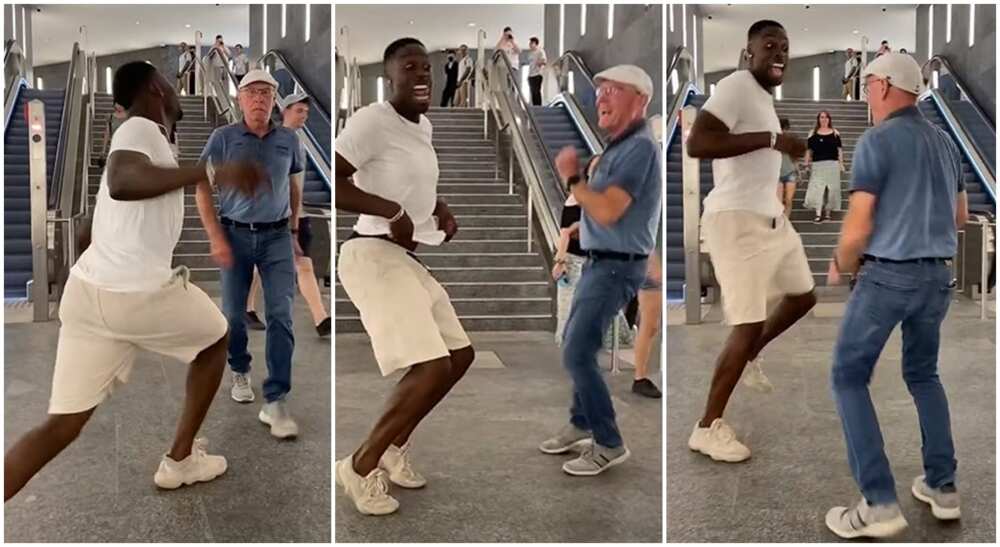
[[411, 21], [137, 22], [806, 29], [472, 24], [187, 26]]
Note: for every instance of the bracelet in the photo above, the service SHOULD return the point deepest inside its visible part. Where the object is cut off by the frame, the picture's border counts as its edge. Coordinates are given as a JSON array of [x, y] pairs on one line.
[[210, 173], [398, 215]]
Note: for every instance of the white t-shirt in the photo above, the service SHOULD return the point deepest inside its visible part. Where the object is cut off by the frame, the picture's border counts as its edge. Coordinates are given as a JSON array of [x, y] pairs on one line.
[[534, 58], [395, 160], [465, 64], [241, 65], [132, 242], [745, 182], [512, 55]]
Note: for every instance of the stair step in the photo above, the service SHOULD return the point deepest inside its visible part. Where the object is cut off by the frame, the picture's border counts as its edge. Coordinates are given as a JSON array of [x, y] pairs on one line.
[[477, 323]]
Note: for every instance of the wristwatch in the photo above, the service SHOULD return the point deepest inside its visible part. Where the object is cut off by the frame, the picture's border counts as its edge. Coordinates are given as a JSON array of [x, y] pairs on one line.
[[210, 173], [774, 139]]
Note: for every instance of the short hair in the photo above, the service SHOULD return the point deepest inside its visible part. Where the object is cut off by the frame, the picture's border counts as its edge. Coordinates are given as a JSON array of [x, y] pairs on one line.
[[463, 45], [507, 29], [533, 39], [785, 124], [218, 36], [759, 27], [885, 41], [399, 44], [239, 46], [128, 82]]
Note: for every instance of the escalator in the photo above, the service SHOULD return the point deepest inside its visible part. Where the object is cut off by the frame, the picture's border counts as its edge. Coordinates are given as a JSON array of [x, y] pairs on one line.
[[682, 92], [17, 191], [948, 105]]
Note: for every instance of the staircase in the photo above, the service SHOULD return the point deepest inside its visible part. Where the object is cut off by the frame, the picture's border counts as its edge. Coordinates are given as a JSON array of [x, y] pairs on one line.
[[849, 118], [979, 197], [493, 282], [192, 134], [17, 189]]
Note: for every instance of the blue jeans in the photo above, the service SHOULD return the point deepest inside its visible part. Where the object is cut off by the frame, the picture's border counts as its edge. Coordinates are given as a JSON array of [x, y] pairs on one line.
[[605, 287], [917, 296], [271, 252]]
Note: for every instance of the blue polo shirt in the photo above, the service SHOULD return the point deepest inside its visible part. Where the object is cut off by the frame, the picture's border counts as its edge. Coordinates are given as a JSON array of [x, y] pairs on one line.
[[915, 171], [631, 162], [277, 152]]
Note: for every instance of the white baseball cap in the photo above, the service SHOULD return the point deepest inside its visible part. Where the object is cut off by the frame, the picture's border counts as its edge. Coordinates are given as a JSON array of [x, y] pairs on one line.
[[900, 69], [292, 99], [258, 75], [629, 75]]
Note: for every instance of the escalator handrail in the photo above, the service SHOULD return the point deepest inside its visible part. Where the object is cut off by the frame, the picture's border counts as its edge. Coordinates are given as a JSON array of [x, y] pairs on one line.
[[225, 105], [498, 90], [64, 174], [499, 57], [927, 71], [964, 143], [10, 103], [685, 88], [275, 54], [595, 142]]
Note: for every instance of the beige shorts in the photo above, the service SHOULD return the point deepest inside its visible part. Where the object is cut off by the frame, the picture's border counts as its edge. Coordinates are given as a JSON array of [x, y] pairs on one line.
[[102, 332], [757, 260], [405, 311]]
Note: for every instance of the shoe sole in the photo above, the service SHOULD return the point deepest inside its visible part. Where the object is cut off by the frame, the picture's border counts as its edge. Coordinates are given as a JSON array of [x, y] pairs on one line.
[[874, 530], [241, 401], [263, 419], [759, 388], [726, 459], [188, 483], [575, 445], [340, 483], [940, 513], [612, 463]]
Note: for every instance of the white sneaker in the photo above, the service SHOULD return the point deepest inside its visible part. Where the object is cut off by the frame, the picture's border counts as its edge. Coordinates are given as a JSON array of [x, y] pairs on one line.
[[753, 377], [396, 461], [370, 494], [944, 501], [242, 391], [863, 520], [718, 442], [199, 466], [276, 415]]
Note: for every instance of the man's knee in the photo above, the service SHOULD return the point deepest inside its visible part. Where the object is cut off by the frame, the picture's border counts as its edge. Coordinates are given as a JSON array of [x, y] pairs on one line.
[[66, 427]]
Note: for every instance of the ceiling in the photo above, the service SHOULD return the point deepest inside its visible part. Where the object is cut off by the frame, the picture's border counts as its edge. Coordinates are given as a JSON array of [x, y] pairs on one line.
[[370, 28], [123, 27], [817, 29]]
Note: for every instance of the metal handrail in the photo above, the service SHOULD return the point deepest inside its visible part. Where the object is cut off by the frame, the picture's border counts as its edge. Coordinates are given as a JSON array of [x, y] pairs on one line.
[[595, 141], [67, 124], [502, 86], [15, 82], [281, 62], [927, 70], [689, 85], [224, 103]]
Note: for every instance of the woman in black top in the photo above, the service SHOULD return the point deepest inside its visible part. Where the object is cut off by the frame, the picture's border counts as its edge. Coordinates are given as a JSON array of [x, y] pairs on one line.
[[825, 154]]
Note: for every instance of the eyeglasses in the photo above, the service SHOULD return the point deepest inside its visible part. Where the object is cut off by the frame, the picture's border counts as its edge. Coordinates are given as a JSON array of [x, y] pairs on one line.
[[865, 85], [609, 91], [259, 92]]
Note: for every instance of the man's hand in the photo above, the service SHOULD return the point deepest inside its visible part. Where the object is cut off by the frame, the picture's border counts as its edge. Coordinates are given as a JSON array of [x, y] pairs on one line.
[[793, 146], [246, 178], [833, 276], [567, 162], [558, 269], [222, 253], [402, 230], [296, 248], [446, 222]]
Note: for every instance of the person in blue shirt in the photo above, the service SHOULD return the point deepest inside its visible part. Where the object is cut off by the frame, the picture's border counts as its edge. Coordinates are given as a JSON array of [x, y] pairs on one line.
[[899, 236], [248, 232], [621, 211]]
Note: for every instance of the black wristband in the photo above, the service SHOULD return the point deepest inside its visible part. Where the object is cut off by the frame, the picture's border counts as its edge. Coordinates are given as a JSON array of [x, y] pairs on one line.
[[572, 180]]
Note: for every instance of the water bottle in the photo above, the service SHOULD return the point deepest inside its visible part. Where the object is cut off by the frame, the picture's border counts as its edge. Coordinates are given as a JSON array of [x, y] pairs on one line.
[[563, 280]]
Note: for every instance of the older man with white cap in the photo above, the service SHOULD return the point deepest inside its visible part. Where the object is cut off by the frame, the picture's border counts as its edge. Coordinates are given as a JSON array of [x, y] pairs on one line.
[[899, 236], [248, 232], [621, 210]]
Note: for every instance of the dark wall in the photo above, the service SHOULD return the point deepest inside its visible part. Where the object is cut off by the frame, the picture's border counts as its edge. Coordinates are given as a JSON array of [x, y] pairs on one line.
[[798, 83], [975, 66], [371, 72], [637, 39], [310, 60]]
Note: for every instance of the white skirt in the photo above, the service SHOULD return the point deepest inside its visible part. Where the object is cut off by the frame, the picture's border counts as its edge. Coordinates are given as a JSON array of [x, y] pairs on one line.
[[825, 176]]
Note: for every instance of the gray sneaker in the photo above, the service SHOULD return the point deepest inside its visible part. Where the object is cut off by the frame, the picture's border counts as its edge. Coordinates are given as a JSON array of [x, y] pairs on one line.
[[595, 459], [569, 438], [943, 500], [863, 520], [276, 415], [242, 391]]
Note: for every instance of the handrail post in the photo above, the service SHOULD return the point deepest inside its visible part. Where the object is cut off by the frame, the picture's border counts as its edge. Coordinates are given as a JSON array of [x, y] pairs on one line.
[[530, 203], [983, 270], [691, 180], [39, 210], [510, 169]]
